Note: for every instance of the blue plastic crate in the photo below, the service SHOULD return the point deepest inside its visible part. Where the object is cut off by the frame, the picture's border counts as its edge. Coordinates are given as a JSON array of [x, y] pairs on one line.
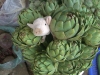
[[93, 69]]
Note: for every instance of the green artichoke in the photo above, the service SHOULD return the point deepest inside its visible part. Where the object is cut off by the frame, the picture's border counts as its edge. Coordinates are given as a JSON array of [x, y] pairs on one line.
[[49, 7], [88, 53], [73, 50], [56, 50], [36, 5], [71, 67], [23, 37], [94, 6], [73, 4], [86, 64], [92, 3], [67, 67], [61, 50], [30, 53], [43, 65], [71, 25], [64, 25], [28, 16], [92, 37]]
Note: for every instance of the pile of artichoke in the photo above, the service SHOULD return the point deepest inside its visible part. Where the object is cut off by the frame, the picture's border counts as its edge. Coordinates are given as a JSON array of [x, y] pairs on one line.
[[72, 43]]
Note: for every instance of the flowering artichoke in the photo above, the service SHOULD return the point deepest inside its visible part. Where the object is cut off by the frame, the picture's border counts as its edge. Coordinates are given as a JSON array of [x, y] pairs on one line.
[[92, 37], [60, 50], [43, 65], [23, 37], [28, 16]]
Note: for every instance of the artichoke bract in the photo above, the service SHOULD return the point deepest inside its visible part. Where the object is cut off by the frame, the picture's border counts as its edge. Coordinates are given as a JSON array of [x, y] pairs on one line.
[[23, 37], [92, 37], [61, 50], [64, 25], [28, 16], [43, 65]]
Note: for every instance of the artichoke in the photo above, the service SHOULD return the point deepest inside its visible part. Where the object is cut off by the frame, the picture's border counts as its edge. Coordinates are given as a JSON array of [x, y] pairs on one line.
[[94, 6], [28, 16], [30, 53], [23, 37], [71, 67], [64, 25], [71, 25], [43, 65], [36, 5], [61, 50], [88, 53], [92, 37], [73, 4], [49, 7], [56, 50]]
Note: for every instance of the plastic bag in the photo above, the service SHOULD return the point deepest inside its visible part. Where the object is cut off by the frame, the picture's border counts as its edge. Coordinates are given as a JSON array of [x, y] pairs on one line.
[[93, 70], [12, 64], [9, 12]]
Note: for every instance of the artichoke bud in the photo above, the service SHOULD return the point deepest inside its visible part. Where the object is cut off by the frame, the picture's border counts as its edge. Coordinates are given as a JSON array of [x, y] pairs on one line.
[[73, 4], [86, 64], [61, 50], [28, 16], [67, 67], [88, 3], [88, 52], [92, 37], [30, 53], [49, 7], [64, 25], [56, 50], [73, 50], [43, 66], [25, 38]]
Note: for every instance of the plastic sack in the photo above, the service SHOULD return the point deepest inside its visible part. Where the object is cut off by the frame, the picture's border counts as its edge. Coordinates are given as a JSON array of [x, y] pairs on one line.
[[9, 12], [12, 64]]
